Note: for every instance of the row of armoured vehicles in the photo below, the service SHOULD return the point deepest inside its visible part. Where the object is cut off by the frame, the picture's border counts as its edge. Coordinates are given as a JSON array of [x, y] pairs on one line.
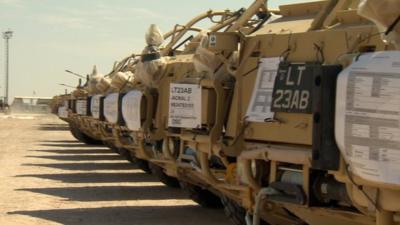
[[283, 117]]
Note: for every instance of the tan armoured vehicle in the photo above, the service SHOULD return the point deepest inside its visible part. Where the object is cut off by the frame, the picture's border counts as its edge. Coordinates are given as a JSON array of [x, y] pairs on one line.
[[98, 85], [74, 111], [310, 133], [145, 108], [103, 116], [302, 129]]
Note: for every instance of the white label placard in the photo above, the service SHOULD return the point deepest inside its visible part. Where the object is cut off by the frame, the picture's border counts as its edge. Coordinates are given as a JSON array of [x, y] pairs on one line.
[[259, 108], [81, 107], [184, 106], [367, 123], [131, 103], [95, 106], [213, 40], [63, 112], [111, 107]]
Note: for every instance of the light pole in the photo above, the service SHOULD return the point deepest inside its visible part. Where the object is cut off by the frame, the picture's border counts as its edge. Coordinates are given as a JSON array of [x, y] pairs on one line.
[[7, 35]]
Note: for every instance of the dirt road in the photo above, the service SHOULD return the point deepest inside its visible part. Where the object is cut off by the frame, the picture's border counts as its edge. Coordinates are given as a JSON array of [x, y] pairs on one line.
[[46, 177]]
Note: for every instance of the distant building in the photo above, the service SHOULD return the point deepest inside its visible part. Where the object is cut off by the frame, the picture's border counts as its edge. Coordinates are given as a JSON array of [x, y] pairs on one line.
[[23, 104]]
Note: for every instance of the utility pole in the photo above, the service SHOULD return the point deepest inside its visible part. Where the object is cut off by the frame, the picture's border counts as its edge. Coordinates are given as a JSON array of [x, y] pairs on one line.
[[7, 35]]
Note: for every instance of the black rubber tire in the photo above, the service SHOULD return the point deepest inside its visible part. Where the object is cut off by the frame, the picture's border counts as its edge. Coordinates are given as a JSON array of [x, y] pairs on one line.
[[111, 146], [75, 132], [164, 178], [82, 137], [201, 196], [235, 212], [126, 154], [130, 158], [143, 165]]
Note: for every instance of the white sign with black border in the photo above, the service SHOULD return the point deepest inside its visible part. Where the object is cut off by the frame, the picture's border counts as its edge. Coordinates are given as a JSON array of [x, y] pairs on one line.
[[95, 106], [184, 106], [213, 40], [259, 108], [367, 117], [81, 107], [63, 112], [131, 107], [111, 107]]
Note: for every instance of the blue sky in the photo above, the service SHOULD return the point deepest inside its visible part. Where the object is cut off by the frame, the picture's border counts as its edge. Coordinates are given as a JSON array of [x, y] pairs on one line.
[[53, 35]]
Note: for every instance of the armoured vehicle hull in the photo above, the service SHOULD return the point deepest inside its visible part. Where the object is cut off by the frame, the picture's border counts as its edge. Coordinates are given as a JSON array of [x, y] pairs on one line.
[[289, 115]]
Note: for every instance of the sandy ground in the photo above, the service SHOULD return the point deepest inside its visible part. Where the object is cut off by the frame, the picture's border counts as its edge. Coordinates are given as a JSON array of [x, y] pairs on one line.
[[46, 177]]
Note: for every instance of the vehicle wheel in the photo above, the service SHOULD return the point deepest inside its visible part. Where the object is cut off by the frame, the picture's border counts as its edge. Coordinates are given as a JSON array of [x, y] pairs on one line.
[[126, 154], [164, 178], [111, 146], [201, 196], [80, 136], [235, 212], [142, 164]]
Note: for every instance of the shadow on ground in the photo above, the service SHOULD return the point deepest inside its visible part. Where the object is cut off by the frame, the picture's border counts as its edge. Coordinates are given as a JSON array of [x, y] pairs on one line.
[[95, 171], [69, 145], [53, 127], [85, 166], [137, 215], [77, 151], [59, 141], [95, 177], [77, 157], [111, 193]]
